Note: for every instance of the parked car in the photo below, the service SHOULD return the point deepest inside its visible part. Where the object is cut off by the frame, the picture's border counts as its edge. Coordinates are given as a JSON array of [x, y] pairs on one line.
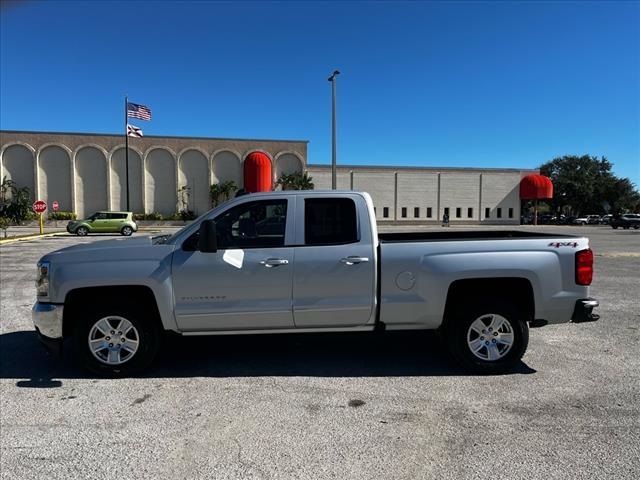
[[104, 222], [327, 270], [587, 219], [626, 221], [606, 219]]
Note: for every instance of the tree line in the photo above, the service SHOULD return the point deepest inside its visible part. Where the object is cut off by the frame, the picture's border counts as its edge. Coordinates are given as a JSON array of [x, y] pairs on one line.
[[586, 185]]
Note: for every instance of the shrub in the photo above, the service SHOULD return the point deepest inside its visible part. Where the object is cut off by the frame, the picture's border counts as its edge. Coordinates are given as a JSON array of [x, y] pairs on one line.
[[5, 222], [186, 215], [148, 216], [62, 216], [221, 192], [296, 181], [15, 202]]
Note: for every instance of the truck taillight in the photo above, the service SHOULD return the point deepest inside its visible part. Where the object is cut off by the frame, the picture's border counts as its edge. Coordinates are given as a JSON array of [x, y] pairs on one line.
[[584, 267]]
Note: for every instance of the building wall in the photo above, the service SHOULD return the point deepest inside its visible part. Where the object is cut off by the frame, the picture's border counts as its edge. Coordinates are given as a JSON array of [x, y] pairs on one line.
[[500, 193], [421, 195], [86, 172], [417, 190], [460, 192]]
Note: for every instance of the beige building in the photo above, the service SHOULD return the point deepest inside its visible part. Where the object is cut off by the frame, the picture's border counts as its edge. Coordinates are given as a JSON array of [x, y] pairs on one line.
[[86, 173], [424, 194]]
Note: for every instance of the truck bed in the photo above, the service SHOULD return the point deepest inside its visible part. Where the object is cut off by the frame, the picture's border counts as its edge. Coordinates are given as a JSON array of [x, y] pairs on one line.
[[445, 236]]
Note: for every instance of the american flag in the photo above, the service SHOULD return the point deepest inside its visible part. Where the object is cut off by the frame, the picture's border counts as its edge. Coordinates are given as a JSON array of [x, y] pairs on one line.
[[134, 131], [138, 111]]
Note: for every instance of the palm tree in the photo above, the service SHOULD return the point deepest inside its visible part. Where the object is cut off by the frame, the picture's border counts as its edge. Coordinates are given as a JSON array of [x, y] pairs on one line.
[[296, 181], [221, 192]]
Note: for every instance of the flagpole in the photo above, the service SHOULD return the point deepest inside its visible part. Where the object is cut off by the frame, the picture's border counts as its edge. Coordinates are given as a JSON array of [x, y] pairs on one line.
[[126, 150]]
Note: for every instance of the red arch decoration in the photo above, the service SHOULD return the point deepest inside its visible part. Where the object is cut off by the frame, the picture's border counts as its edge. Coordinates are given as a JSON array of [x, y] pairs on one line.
[[536, 187], [257, 173]]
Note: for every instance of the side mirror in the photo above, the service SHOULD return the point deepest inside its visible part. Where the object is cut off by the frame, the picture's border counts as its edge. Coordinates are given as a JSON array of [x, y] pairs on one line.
[[207, 239]]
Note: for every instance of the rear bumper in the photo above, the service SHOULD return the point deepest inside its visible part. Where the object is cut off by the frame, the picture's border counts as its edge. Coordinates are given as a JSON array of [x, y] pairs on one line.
[[583, 311], [47, 319]]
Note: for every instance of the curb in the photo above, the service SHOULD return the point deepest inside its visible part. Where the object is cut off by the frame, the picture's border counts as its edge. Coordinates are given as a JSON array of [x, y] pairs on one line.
[[61, 234], [6, 241]]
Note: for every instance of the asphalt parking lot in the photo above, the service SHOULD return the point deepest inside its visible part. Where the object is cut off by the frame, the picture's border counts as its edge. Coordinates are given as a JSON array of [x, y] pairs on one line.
[[330, 406]]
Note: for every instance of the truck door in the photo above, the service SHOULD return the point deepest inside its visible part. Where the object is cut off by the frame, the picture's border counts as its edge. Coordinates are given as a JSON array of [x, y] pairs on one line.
[[246, 284], [334, 271]]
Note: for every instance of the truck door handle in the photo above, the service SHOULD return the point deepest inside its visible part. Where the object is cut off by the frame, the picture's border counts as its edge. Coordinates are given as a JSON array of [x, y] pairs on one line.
[[353, 260], [274, 262]]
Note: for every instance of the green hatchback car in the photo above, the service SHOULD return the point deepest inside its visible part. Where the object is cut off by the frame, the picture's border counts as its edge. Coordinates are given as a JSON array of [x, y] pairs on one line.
[[104, 222]]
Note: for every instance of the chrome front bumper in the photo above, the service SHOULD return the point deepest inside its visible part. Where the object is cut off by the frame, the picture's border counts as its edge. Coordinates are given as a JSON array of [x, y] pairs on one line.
[[47, 318]]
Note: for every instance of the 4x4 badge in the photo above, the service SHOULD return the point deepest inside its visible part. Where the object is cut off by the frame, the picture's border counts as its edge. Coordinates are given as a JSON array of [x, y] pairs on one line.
[[563, 244]]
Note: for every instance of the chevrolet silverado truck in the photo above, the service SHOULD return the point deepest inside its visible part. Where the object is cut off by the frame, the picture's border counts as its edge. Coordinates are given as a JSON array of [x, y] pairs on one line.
[[309, 261]]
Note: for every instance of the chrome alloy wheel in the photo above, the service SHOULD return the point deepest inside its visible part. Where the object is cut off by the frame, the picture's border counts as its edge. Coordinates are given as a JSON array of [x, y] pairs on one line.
[[490, 337], [113, 340]]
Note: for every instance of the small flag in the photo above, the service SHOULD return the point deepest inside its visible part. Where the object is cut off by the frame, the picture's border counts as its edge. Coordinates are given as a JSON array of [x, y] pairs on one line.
[[134, 131], [138, 111]]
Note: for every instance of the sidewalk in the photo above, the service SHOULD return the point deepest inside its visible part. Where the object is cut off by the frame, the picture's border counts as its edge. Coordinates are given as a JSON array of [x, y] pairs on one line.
[[34, 230]]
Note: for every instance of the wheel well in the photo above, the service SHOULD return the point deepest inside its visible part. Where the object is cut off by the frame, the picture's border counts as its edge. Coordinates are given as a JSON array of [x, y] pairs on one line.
[[79, 299], [516, 290]]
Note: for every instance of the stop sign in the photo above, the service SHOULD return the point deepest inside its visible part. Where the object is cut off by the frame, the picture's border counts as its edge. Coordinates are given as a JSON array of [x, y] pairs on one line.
[[55, 206], [39, 206]]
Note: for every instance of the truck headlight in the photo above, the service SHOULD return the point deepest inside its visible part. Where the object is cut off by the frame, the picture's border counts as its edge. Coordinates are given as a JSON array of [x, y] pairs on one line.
[[42, 279]]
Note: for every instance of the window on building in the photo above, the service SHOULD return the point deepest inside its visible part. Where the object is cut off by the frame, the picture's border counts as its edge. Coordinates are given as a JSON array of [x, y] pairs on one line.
[[446, 210], [416, 212], [487, 212], [330, 221], [458, 212], [429, 212], [385, 212], [469, 212], [404, 212], [511, 213], [499, 212]]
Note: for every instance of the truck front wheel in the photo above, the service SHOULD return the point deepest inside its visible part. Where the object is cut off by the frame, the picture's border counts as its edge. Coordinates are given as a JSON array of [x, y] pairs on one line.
[[488, 338], [115, 342]]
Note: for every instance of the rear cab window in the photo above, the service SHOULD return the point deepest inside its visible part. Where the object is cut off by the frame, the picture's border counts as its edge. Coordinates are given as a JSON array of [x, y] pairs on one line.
[[330, 221]]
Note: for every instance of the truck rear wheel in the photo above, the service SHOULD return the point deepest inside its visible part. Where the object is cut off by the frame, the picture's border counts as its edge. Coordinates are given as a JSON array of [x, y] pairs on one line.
[[488, 338], [116, 341]]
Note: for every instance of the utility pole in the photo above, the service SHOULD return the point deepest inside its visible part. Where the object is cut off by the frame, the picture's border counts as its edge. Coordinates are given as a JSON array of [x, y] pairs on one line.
[[332, 79]]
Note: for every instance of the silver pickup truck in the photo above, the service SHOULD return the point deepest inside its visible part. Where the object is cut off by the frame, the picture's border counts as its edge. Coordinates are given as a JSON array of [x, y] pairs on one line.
[[309, 261]]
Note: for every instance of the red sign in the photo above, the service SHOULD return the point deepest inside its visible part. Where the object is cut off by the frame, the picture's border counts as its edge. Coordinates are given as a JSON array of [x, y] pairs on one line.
[[39, 206], [55, 206]]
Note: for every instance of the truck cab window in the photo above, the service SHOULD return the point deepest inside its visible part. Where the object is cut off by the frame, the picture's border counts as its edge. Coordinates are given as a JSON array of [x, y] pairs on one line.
[[330, 221], [259, 224]]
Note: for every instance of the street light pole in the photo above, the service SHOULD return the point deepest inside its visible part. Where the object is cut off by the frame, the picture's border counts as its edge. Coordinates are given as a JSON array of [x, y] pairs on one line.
[[332, 79]]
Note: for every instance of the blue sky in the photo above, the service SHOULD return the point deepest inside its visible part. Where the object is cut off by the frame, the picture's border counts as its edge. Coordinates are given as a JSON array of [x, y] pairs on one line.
[[489, 84]]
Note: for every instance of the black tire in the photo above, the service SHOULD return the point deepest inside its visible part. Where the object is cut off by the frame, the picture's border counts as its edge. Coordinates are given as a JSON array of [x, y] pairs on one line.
[[82, 231], [126, 231], [615, 227], [458, 327], [146, 331]]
